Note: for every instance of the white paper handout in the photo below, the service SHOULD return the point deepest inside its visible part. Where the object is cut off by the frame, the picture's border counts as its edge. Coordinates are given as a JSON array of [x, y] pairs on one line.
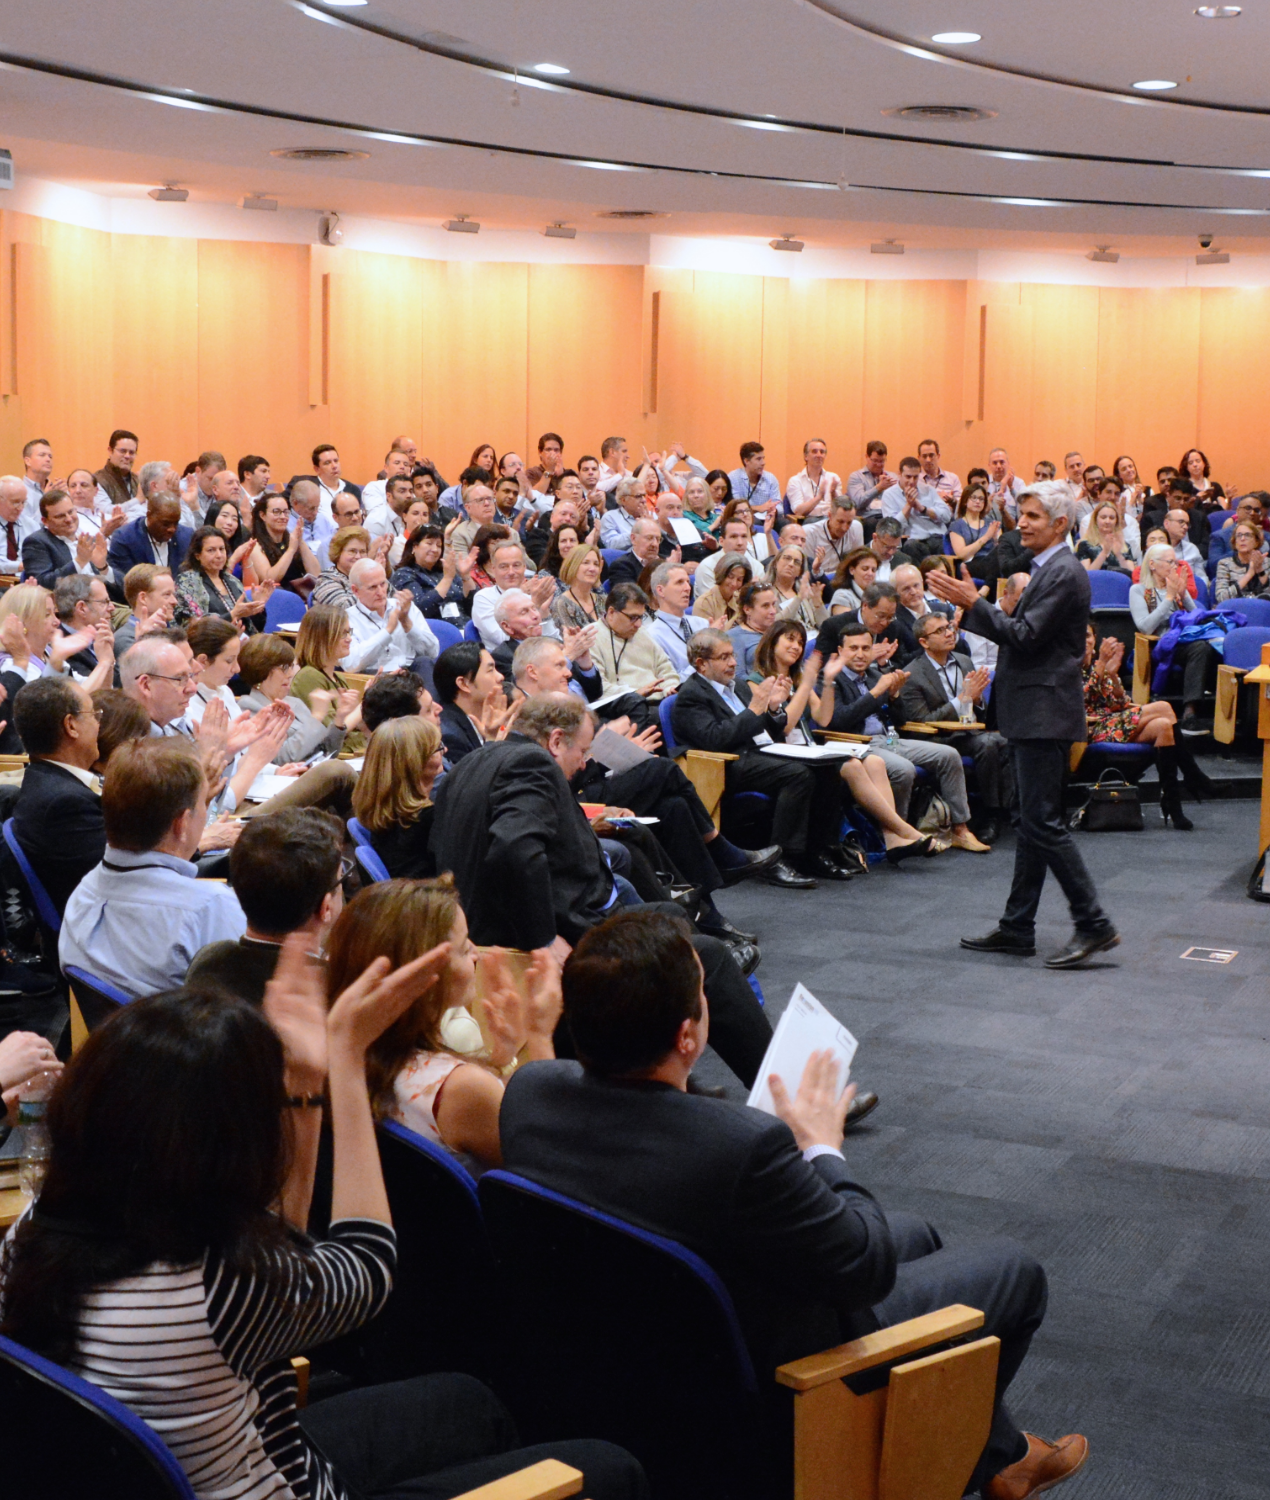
[[686, 534], [617, 752], [268, 784], [834, 750], [805, 1027]]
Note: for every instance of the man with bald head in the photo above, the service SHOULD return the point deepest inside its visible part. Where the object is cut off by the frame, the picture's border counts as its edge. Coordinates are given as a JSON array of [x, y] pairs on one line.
[[388, 633], [15, 524], [156, 537], [315, 528], [479, 502], [646, 547]]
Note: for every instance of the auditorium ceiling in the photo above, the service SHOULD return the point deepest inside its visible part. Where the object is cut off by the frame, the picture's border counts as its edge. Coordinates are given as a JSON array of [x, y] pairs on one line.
[[826, 119]]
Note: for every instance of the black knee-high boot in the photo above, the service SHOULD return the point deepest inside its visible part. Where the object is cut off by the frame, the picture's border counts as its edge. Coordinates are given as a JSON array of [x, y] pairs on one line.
[[1170, 796], [1197, 783]]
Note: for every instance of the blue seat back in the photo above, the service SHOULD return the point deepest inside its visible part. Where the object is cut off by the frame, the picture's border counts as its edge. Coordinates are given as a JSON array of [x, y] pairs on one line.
[[630, 1337], [1109, 590], [374, 867], [1255, 611], [72, 1439], [357, 832], [665, 709], [98, 998], [447, 634], [44, 908], [1203, 592], [283, 608], [611, 554], [1242, 647], [471, 633]]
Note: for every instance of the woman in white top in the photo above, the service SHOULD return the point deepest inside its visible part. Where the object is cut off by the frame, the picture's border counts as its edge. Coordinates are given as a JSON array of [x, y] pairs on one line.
[[215, 644], [857, 571], [414, 1077]]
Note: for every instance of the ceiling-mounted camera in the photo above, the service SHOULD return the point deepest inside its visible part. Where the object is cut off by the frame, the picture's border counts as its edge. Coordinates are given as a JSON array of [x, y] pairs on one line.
[[1205, 240]]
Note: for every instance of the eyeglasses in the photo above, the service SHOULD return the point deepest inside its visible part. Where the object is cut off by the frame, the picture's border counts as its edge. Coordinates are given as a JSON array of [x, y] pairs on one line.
[[347, 866], [634, 619], [95, 712], [184, 678]]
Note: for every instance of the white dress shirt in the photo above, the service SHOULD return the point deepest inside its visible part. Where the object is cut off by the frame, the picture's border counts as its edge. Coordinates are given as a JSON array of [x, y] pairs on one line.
[[22, 528], [377, 649], [384, 521], [802, 488]]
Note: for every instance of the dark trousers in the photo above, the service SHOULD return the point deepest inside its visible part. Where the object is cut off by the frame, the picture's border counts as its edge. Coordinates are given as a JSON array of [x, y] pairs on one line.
[[994, 769], [999, 1278], [659, 789], [440, 1435], [1044, 842], [808, 812], [1198, 662]]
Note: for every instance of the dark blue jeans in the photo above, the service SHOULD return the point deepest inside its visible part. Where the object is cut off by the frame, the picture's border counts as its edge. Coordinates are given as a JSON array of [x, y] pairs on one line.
[[1044, 842]]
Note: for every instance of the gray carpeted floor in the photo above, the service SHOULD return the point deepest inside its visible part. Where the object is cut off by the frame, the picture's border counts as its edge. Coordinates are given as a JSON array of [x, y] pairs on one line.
[[1116, 1121]]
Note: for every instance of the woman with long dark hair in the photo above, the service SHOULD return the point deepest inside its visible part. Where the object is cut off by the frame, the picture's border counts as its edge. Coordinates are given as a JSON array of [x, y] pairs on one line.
[[166, 1260], [205, 586], [280, 555]]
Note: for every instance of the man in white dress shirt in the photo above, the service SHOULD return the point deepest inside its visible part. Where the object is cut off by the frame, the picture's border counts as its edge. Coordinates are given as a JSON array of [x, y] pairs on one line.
[[385, 637], [507, 569], [375, 493], [1004, 485], [614, 464], [15, 524], [388, 519], [752, 482], [316, 529], [37, 464], [922, 512], [809, 492]]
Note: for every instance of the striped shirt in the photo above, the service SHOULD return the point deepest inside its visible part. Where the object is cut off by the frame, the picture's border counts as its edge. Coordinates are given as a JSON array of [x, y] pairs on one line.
[[203, 1355]]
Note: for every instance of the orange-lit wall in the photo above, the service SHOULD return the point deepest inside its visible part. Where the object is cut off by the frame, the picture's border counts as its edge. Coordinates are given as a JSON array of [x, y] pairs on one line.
[[273, 348]]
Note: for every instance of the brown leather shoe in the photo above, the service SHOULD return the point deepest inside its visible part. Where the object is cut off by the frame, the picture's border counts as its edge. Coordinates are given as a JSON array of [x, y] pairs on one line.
[[1044, 1466]]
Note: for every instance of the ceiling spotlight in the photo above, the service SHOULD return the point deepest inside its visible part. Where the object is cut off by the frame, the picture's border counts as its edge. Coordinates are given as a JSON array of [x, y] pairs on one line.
[[1213, 258], [786, 242], [551, 70], [887, 247], [462, 225], [558, 231], [1104, 253], [956, 38], [1218, 12], [1155, 85], [258, 200], [169, 193]]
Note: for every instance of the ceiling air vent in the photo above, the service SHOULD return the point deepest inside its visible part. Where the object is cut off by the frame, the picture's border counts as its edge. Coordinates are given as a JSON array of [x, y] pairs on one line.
[[630, 213], [949, 114], [318, 153]]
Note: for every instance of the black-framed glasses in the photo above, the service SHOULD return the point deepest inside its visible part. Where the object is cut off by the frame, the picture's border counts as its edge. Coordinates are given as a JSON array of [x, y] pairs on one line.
[[182, 679], [634, 619]]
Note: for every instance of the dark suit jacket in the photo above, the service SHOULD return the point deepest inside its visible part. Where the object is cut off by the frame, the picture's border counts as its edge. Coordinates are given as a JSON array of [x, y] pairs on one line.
[[626, 569], [829, 637], [803, 1250], [243, 968], [354, 489], [59, 824], [131, 545], [853, 704], [905, 620], [84, 662], [458, 733], [405, 849], [46, 558], [703, 721], [924, 697], [590, 682], [527, 865], [1038, 686]]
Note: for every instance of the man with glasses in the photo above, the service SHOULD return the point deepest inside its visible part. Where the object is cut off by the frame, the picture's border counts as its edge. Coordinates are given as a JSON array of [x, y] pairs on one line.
[[628, 656], [944, 685], [81, 604]]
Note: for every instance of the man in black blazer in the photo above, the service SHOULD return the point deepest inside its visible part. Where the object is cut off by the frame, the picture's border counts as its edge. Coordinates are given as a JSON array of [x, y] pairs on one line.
[[708, 715], [530, 870], [57, 817], [465, 680], [647, 546], [54, 551], [879, 606], [808, 1256], [1040, 698], [81, 604]]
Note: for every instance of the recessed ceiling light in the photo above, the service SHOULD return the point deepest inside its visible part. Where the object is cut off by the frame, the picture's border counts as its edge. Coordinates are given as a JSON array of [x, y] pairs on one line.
[[952, 38], [1155, 85], [1218, 12], [552, 70], [319, 153], [952, 114], [344, 2], [559, 231]]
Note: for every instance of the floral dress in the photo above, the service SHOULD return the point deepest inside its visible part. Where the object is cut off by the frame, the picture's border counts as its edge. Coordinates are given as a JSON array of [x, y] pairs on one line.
[[1108, 712]]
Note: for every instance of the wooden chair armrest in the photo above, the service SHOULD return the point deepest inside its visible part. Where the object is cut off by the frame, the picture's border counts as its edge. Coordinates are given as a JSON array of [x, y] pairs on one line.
[[1142, 666], [716, 755], [841, 734], [1226, 709], [548, 1480], [948, 726], [1076, 755], [918, 726], [878, 1348], [358, 680]]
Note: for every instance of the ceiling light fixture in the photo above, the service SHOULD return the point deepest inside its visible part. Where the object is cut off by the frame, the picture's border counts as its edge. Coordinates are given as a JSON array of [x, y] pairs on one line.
[[1213, 258], [948, 114], [552, 70], [952, 38], [258, 200], [1105, 254], [462, 225], [786, 242], [887, 247], [603, 166], [169, 193], [1155, 85], [1218, 12], [766, 125], [319, 153], [344, 2], [559, 231]]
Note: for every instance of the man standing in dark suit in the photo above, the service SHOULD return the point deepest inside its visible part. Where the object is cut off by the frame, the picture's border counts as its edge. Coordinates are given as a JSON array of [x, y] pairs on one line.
[[157, 537], [809, 1257], [54, 551], [530, 870], [1040, 698], [57, 817]]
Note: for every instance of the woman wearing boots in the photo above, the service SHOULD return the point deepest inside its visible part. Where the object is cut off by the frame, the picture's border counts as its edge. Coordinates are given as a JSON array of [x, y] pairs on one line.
[[1111, 716]]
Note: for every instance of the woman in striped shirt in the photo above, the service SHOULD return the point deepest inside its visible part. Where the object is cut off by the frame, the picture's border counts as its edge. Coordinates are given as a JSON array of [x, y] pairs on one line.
[[166, 1262]]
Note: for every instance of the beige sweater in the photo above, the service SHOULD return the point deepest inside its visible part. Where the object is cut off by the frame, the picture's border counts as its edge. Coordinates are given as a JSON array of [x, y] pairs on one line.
[[633, 664]]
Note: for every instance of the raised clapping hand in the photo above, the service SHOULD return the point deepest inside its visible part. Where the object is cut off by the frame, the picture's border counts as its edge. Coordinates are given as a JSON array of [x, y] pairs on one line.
[[817, 1114], [963, 591]]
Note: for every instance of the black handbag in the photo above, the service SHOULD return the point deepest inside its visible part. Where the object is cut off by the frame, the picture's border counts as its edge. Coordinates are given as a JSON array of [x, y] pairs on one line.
[[1113, 806]]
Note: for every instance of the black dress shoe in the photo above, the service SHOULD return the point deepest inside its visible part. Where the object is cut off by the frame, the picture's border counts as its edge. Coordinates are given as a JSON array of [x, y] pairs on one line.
[[782, 874], [727, 932], [821, 867], [1000, 941], [757, 861], [747, 957], [1082, 946], [843, 859], [864, 1103], [989, 830]]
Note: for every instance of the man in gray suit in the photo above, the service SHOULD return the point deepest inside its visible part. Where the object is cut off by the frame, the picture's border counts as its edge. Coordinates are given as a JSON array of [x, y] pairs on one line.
[[1040, 698]]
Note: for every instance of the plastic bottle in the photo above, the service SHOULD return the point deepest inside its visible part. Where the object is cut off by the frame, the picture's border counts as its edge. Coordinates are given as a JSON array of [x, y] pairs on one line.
[[892, 739], [33, 1163]]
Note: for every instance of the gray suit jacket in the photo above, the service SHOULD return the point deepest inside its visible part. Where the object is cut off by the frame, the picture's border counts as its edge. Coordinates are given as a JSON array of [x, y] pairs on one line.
[[924, 697], [1038, 688]]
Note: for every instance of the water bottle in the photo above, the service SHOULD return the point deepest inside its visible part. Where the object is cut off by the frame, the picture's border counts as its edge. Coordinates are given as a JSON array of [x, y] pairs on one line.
[[892, 739], [33, 1163]]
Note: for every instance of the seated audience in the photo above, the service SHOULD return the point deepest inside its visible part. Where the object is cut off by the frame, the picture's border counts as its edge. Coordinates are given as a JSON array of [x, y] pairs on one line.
[[758, 1194], [478, 502], [723, 601], [878, 610], [673, 624], [507, 572], [798, 594], [156, 537], [581, 601], [287, 870], [215, 644], [393, 796], [415, 1073], [913, 603], [918, 508], [856, 572], [266, 668], [191, 1078], [529, 868], [119, 719], [828, 541], [474, 707], [398, 695], [564, 538], [628, 656], [385, 635], [81, 605], [520, 619], [1194, 467], [943, 685], [736, 539], [151, 595], [348, 546], [438, 577], [281, 555], [629, 507], [1161, 594], [57, 818], [758, 614], [974, 532], [646, 550], [57, 549], [205, 586], [321, 643], [154, 804], [1243, 575], [862, 696], [1103, 547]]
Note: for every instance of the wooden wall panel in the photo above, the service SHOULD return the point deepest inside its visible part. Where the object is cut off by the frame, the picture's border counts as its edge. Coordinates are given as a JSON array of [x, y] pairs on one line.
[[826, 371], [1234, 386], [253, 388], [154, 291], [783, 448], [913, 365], [1008, 336], [585, 372], [1064, 374], [1148, 375], [481, 346]]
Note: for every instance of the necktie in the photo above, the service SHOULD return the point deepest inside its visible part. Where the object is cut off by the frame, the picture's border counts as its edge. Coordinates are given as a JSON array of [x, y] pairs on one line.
[[12, 532], [684, 631]]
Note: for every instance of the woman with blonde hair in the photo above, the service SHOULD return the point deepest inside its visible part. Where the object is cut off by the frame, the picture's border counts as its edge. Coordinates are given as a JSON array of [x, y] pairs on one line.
[[393, 796], [1103, 547], [32, 645], [413, 1076], [581, 601], [347, 546]]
